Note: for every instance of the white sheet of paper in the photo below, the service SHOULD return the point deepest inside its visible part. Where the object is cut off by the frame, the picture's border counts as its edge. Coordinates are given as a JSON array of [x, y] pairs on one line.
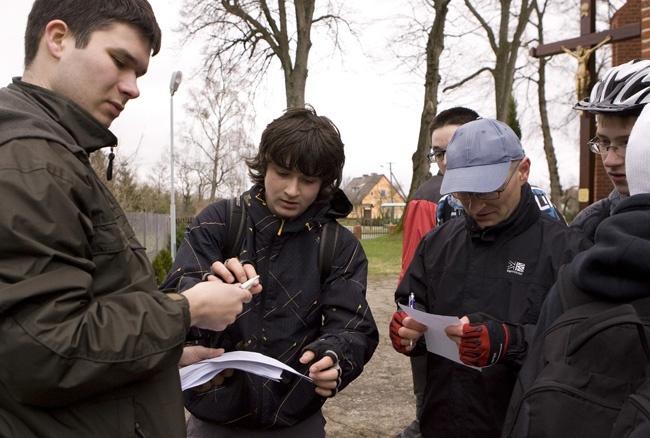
[[249, 361], [437, 341]]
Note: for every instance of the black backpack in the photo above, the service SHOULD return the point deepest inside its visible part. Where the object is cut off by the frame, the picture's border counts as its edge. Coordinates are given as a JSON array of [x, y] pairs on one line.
[[587, 375], [236, 230], [634, 418]]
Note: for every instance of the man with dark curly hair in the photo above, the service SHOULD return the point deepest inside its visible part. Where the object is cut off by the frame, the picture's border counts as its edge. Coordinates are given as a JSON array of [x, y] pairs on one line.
[[320, 325]]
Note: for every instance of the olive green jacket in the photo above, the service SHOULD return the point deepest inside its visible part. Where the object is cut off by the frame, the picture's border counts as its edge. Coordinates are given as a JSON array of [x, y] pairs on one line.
[[88, 345]]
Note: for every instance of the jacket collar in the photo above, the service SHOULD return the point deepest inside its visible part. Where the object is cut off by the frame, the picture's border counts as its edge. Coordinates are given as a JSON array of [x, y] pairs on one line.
[[80, 129], [316, 214]]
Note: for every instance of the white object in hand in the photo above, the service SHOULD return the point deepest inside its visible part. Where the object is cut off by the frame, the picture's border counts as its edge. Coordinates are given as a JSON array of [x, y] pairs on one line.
[[250, 282], [251, 362]]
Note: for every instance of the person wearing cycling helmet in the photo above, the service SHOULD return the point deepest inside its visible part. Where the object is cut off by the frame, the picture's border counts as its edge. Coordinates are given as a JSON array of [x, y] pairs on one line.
[[617, 101]]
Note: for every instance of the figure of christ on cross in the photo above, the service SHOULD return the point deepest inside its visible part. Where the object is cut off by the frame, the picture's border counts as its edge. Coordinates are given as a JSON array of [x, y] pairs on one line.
[[583, 78]]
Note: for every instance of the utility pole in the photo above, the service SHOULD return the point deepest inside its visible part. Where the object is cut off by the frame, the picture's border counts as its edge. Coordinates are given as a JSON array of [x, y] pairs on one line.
[[390, 171]]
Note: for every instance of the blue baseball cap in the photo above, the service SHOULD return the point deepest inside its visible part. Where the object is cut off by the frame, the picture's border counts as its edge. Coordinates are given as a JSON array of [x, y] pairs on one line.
[[479, 156]]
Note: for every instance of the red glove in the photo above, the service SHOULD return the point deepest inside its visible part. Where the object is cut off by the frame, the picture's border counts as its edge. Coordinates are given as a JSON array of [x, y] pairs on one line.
[[395, 324], [484, 343]]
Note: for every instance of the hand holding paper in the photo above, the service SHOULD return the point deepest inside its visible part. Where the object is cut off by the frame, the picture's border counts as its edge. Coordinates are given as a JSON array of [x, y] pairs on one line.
[[437, 340], [403, 330]]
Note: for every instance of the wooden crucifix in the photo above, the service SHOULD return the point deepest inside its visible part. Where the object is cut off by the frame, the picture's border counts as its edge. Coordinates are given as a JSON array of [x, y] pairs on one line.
[[583, 45]]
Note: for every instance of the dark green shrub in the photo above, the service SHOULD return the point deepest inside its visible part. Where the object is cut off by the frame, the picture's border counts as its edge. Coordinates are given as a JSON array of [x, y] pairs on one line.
[[162, 263]]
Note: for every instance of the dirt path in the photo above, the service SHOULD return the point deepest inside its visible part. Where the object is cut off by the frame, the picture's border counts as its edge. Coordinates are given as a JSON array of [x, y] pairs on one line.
[[380, 403]]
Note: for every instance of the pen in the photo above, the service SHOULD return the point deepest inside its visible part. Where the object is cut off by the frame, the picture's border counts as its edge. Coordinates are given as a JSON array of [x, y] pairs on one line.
[[412, 306], [250, 282]]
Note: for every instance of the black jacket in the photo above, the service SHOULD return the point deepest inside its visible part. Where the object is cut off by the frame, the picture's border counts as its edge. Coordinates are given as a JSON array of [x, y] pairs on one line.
[[504, 271], [617, 267], [588, 219], [293, 310], [614, 270]]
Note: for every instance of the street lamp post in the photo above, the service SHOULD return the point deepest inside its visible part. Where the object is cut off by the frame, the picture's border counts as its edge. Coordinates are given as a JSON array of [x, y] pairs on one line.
[[177, 77]]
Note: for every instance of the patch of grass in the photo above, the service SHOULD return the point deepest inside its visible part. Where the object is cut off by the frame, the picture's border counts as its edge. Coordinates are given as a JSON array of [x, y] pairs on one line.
[[384, 254]]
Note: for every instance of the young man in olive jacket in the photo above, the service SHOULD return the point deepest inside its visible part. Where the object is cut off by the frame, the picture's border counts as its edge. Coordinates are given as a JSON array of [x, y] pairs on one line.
[[89, 347], [318, 323], [492, 268]]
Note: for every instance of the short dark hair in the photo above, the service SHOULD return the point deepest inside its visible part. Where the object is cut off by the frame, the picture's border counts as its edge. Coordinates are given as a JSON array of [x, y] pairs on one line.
[[84, 17], [453, 116], [302, 141]]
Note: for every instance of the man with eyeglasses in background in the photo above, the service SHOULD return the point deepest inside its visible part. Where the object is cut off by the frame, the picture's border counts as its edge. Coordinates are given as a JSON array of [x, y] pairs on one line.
[[493, 268], [420, 216], [617, 101]]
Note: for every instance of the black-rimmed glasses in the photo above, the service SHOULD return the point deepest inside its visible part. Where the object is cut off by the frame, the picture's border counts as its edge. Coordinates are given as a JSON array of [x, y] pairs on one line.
[[599, 146], [489, 196], [436, 157]]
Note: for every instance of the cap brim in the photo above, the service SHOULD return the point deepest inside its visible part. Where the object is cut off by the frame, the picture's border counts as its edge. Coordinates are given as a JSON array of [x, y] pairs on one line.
[[475, 179]]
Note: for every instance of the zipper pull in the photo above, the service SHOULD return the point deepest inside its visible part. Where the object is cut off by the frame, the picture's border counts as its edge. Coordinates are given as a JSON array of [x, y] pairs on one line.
[[109, 170]]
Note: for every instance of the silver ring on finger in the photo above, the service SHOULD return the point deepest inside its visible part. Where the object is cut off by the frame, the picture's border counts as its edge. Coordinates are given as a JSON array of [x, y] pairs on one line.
[[225, 263], [337, 367]]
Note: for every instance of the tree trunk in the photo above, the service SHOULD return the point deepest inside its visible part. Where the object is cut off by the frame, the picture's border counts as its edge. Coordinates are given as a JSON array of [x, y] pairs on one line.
[[549, 148], [505, 50], [435, 46], [296, 76]]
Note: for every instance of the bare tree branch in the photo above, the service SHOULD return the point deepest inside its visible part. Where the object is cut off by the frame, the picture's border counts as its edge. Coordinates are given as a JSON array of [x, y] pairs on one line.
[[257, 32], [467, 79]]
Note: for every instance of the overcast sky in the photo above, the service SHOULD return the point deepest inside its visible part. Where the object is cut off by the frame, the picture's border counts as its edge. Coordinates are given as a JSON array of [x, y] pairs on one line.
[[376, 109]]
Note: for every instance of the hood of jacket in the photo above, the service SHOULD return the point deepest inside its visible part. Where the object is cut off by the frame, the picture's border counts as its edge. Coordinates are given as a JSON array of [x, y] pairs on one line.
[[616, 267], [60, 119]]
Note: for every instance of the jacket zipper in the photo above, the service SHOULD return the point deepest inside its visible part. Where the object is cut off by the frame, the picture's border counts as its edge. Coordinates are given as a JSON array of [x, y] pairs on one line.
[[262, 332]]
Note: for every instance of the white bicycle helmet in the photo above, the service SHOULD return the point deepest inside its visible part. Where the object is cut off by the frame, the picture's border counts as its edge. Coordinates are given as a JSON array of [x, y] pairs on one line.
[[625, 88]]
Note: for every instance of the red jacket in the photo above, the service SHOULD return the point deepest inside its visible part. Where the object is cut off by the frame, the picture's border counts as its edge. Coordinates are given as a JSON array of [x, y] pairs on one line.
[[420, 217]]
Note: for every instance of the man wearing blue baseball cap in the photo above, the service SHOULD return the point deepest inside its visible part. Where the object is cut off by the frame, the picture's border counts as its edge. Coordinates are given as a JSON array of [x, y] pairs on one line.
[[493, 269]]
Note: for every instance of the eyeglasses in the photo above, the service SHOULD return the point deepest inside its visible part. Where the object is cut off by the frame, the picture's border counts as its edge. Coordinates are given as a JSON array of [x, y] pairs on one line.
[[489, 196], [436, 157], [599, 146]]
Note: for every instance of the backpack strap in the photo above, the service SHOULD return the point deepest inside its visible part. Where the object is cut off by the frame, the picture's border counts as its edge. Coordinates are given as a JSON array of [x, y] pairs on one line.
[[601, 320], [605, 315], [328, 238], [235, 226]]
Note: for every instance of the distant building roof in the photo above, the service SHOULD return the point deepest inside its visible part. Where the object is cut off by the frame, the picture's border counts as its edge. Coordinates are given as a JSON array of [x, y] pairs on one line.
[[359, 187]]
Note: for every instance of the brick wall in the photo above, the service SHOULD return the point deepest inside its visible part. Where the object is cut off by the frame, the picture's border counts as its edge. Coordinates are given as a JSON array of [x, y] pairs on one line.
[[645, 28], [625, 51]]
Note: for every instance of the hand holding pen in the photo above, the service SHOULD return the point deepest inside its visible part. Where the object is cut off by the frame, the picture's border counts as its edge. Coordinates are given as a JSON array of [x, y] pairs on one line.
[[250, 282], [233, 271]]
